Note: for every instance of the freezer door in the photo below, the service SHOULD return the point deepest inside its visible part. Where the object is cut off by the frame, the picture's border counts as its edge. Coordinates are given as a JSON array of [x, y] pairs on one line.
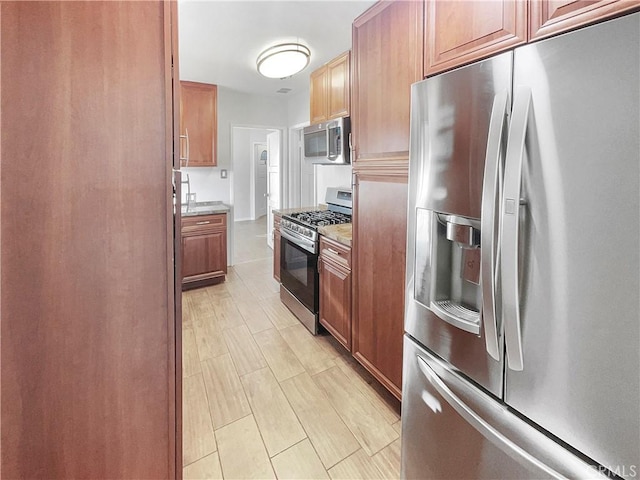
[[451, 430], [571, 245], [457, 122]]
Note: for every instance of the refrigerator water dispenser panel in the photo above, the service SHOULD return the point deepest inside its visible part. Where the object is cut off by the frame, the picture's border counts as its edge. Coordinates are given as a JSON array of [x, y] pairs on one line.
[[447, 268]]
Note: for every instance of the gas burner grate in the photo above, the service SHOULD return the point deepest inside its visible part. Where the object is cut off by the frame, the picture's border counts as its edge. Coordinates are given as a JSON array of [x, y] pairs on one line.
[[321, 218]]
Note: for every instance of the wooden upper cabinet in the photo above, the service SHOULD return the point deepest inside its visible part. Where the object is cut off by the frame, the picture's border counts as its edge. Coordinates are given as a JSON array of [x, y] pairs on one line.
[[339, 86], [330, 90], [198, 124], [318, 95], [459, 32], [548, 17], [387, 59]]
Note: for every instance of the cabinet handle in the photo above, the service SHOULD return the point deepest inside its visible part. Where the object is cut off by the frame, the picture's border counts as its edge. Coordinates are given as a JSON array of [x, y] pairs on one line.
[[203, 223], [335, 252], [186, 137]]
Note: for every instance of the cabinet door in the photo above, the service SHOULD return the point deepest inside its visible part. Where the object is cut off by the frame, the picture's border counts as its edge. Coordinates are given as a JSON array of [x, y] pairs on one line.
[[547, 17], [339, 86], [198, 124], [380, 236], [464, 31], [335, 301], [387, 59], [204, 256], [318, 95]]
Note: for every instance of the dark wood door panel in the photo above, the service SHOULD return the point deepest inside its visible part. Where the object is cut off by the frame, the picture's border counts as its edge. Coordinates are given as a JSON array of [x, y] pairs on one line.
[[87, 353]]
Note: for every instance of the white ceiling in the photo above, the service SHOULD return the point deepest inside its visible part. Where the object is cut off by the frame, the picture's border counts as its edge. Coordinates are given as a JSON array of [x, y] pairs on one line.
[[220, 40]]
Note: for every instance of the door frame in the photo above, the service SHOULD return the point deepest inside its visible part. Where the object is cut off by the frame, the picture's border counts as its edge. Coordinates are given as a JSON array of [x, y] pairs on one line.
[[293, 167]]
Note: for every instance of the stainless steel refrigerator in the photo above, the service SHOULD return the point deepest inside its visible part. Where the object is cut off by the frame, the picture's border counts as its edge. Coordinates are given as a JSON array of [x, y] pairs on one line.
[[522, 318]]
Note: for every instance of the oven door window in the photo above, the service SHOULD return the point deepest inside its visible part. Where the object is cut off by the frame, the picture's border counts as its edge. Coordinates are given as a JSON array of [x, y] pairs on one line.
[[298, 273]]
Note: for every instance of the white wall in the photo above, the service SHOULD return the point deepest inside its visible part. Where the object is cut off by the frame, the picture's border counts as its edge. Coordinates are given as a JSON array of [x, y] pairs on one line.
[[331, 176], [207, 184], [298, 108]]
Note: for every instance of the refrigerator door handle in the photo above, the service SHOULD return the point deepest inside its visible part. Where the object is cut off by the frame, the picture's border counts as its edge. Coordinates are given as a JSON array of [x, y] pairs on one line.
[[445, 386], [510, 226], [489, 238]]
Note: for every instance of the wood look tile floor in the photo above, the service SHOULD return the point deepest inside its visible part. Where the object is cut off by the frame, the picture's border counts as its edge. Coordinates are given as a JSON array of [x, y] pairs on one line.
[[263, 398]]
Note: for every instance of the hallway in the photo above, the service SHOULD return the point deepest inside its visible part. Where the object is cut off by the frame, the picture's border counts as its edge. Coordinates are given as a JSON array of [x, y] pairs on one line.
[[250, 240], [262, 398]]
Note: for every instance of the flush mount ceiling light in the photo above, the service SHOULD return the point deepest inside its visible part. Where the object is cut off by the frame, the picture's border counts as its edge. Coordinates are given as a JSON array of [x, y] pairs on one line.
[[284, 60]]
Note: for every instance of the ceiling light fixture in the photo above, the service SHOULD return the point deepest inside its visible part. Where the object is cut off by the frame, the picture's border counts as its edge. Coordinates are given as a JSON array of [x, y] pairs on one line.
[[284, 60]]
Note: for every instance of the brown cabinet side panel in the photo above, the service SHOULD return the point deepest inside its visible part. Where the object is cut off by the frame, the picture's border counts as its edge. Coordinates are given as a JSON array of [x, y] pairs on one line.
[[547, 17], [85, 343], [387, 58], [380, 236]]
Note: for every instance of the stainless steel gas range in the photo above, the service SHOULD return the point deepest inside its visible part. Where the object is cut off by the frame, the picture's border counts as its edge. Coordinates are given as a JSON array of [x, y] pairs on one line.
[[299, 255]]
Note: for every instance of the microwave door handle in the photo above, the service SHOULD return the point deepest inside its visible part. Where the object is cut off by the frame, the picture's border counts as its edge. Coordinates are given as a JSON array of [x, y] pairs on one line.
[[488, 232], [511, 206], [331, 155]]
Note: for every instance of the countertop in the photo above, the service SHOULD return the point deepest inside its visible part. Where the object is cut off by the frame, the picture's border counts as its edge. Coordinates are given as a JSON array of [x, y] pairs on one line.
[[340, 233], [204, 208]]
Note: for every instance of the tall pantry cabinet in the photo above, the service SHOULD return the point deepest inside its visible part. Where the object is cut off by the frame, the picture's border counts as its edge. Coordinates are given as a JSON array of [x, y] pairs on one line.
[[387, 58], [88, 320]]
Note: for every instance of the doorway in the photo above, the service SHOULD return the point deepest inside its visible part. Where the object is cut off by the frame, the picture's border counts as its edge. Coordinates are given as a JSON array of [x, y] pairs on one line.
[[255, 189]]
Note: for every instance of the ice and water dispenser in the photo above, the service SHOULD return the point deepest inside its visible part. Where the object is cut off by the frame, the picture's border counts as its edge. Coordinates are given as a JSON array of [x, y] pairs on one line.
[[448, 268]]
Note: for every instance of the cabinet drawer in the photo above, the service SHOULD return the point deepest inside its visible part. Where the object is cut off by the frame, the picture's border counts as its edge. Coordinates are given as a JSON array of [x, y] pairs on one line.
[[204, 222], [335, 251]]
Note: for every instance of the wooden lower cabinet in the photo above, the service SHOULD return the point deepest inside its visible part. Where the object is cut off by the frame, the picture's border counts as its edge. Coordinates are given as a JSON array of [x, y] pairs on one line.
[[380, 236], [204, 250], [334, 267], [276, 246]]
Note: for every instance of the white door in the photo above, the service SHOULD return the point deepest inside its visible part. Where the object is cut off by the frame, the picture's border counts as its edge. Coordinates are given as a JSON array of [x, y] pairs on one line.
[[273, 181]]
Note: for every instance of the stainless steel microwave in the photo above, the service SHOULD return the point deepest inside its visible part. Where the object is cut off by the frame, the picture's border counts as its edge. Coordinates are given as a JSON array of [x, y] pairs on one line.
[[328, 143]]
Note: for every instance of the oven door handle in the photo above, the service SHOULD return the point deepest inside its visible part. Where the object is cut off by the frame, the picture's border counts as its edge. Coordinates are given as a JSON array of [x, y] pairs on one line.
[[308, 245]]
